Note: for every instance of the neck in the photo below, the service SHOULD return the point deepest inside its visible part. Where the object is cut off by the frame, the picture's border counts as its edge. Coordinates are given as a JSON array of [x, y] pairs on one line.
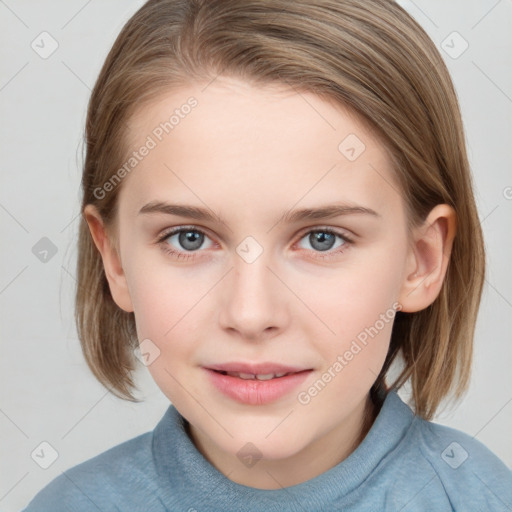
[[315, 459]]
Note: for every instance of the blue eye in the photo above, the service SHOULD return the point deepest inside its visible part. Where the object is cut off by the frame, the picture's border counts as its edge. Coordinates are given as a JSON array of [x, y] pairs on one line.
[[322, 240], [183, 240]]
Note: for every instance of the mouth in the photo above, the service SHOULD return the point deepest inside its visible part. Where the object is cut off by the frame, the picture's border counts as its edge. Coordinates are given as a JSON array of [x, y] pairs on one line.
[[252, 376], [256, 384], [259, 371]]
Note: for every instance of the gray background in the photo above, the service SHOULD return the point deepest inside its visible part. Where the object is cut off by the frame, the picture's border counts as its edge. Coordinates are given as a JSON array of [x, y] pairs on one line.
[[47, 393]]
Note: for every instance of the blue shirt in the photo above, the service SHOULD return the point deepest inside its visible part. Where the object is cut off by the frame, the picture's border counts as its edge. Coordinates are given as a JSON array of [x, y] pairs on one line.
[[403, 464]]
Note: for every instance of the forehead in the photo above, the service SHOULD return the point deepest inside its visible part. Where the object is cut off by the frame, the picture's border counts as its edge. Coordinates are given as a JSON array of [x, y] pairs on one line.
[[255, 147]]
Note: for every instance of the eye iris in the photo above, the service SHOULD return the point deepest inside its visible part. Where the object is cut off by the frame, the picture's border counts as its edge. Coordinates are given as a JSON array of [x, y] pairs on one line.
[[193, 237], [321, 240]]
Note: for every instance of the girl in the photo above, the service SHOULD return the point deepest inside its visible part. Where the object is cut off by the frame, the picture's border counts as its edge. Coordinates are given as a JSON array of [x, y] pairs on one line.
[[278, 220]]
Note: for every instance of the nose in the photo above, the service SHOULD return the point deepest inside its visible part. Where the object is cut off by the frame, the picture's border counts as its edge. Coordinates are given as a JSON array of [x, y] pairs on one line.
[[254, 304]]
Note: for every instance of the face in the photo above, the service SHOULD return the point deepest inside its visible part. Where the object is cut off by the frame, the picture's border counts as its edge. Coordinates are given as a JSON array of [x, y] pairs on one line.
[[264, 233]]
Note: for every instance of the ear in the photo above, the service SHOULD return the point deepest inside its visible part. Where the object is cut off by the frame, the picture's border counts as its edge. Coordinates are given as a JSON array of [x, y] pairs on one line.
[[428, 259], [111, 260]]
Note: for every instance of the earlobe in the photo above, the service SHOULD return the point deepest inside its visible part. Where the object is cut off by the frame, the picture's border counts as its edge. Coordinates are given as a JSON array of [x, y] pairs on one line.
[[428, 259], [111, 261]]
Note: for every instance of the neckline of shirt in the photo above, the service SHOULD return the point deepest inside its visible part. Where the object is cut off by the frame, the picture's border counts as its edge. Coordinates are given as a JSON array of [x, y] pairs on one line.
[[181, 466]]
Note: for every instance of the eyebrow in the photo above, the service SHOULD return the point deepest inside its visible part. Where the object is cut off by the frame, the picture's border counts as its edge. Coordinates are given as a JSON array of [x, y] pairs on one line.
[[204, 214]]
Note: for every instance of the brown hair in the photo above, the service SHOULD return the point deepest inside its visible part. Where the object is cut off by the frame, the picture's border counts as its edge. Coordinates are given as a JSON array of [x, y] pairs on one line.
[[370, 56]]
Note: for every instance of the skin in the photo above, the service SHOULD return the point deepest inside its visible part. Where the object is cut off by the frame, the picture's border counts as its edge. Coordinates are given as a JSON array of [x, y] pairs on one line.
[[250, 155]]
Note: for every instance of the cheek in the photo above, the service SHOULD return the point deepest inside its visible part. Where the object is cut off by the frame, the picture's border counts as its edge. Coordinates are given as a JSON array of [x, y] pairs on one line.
[[166, 307], [159, 292], [356, 307], [164, 304], [353, 297]]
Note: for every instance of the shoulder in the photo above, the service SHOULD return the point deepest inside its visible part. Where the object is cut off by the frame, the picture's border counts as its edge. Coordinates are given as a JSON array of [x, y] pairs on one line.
[[469, 472], [105, 482]]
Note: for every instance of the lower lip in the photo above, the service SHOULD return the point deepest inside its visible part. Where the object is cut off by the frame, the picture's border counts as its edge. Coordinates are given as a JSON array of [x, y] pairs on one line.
[[256, 392]]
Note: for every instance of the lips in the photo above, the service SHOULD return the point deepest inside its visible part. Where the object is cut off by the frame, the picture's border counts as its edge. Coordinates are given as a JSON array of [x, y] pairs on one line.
[[256, 384]]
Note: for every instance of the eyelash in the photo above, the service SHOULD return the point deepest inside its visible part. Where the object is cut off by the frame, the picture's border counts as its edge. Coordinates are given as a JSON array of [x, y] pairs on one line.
[[186, 255]]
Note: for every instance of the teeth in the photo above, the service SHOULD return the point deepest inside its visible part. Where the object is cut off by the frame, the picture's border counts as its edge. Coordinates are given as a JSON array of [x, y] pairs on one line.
[[266, 376], [242, 375], [246, 375], [251, 376]]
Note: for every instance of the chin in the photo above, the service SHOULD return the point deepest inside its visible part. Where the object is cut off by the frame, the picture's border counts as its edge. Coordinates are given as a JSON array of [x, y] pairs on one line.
[[254, 442]]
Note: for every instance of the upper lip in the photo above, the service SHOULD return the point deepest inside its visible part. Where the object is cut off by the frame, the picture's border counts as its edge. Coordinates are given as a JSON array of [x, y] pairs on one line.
[[255, 368]]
